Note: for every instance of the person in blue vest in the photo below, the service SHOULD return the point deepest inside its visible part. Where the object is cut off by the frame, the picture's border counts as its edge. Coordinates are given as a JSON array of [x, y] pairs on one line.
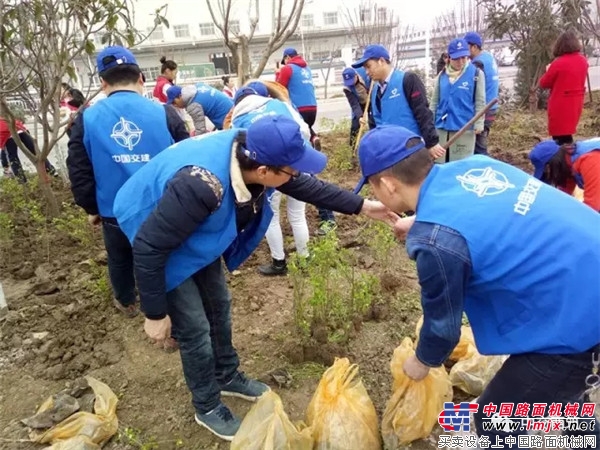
[[569, 165], [527, 279], [109, 142], [399, 98], [252, 103], [458, 94], [215, 105], [297, 77], [492, 87], [201, 201], [356, 90]]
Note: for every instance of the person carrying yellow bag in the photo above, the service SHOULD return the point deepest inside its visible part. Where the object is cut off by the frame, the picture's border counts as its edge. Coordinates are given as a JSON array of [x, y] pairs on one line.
[[487, 241]]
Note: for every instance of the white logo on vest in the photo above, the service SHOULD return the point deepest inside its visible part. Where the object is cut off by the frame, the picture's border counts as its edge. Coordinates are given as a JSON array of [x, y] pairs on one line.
[[304, 73], [260, 110], [394, 93], [485, 182], [204, 89], [126, 133]]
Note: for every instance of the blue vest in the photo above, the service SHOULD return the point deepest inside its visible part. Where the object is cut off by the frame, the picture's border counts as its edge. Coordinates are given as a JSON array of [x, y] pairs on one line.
[[581, 148], [301, 87], [215, 104], [217, 235], [492, 79], [272, 107], [395, 109], [121, 134], [456, 104], [535, 282]]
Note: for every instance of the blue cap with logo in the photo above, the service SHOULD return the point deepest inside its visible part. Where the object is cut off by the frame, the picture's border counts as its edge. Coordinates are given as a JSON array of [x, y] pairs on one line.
[[114, 56], [382, 148], [172, 93], [259, 88], [374, 51], [541, 154], [242, 92], [349, 76], [277, 141], [458, 48], [291, 52], [473, 38]]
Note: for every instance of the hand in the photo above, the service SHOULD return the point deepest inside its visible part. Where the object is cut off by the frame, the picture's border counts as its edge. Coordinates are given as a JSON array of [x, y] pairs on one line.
[[94, 220], [415, 369], [362, 121], [378, 211], [548, 67], [437, 151], [403, 226], [158, 330], [478, 131]]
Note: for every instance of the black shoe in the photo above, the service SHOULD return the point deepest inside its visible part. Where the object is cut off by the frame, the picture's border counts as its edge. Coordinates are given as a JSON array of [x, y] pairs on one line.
[[277, 267]]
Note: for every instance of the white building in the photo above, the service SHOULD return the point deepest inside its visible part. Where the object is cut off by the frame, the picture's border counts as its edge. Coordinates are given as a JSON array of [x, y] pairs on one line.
[[194, 41]]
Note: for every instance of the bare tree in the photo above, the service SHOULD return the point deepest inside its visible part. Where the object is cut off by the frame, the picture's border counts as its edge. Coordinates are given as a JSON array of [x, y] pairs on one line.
[[469, 16], [40, 41], [372, 24], [285, 22]]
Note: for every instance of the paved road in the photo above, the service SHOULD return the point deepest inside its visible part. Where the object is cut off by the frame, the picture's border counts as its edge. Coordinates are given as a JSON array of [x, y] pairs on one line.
[[334, 110]]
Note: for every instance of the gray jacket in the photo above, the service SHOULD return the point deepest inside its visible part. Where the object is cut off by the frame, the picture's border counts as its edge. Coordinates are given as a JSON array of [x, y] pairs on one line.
[[194, 109]]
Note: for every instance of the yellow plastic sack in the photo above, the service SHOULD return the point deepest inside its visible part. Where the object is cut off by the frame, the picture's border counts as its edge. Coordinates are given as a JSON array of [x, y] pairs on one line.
[[267, 427], [341, 414], [413, 410], [75, 443], [465, 346], [98, 427], [472, 375]]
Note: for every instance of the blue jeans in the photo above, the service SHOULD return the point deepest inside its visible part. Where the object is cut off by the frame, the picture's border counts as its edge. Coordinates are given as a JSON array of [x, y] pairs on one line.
[[539, 378], [120, 262], [200, 312]]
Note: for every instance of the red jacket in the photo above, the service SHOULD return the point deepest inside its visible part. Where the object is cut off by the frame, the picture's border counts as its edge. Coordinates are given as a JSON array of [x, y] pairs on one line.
[[565, 78], [159, 89], [5, 131], [588, 167]]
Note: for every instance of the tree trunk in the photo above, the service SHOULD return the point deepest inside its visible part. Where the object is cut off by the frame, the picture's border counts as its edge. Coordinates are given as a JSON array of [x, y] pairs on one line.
[[243, 59], [44, 183]]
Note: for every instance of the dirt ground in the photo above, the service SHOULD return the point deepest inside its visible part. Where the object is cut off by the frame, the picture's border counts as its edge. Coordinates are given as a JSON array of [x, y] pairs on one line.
[[61, 324]]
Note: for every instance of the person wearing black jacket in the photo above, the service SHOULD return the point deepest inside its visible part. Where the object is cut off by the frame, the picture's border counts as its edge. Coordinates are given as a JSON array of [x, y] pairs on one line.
[[109, 141], [204, 200], [399, 98], [356, 91]]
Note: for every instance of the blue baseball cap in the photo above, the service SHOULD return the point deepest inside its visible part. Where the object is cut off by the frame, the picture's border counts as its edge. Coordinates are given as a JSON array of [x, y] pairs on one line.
[[374, 51], [349, 76], [541, 154], [458, 48], [473, 38], [172, 93], [242, 92], [277, 141], [383, 147], [114, 56], [291, 52], [259, 88]]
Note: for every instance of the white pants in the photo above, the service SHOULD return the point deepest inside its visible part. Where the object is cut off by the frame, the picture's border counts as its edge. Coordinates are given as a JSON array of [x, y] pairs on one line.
[[296, 212]]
